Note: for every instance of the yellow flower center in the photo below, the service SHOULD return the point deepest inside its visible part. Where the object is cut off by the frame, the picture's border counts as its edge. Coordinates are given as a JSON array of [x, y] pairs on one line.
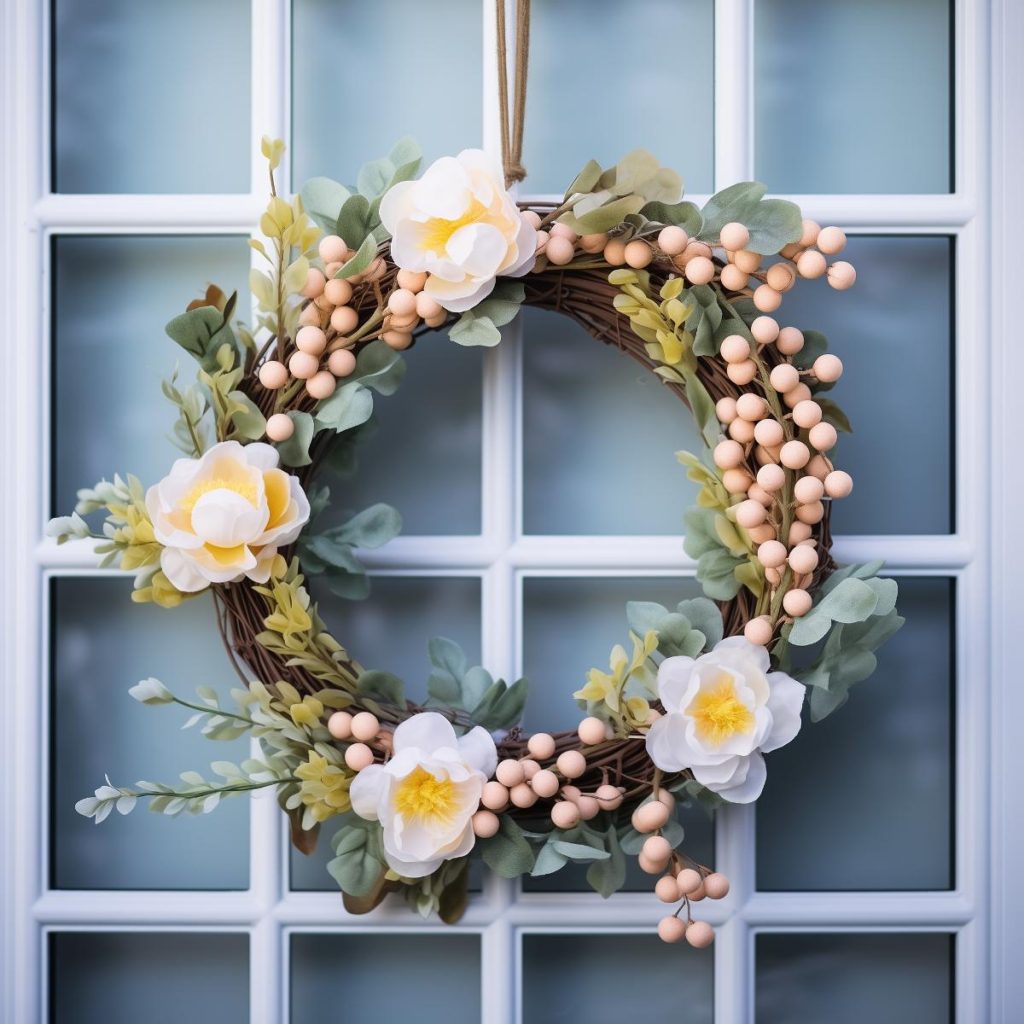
[[437, 231], [719, 713], [421, 795], [246, 488]]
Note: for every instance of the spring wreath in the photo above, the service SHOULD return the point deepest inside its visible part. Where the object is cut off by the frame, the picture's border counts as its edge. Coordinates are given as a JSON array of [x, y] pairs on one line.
[[700, 693]]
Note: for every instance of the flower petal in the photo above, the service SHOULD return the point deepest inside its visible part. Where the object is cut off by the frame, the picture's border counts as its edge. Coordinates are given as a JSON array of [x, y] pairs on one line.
[[478, 750], [426, 731], [368, 790], [785, 704]]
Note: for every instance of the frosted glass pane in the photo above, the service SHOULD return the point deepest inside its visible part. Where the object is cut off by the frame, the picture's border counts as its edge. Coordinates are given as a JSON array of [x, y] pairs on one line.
[[390, 630], [894, 333], [159, 978], [151, 97], [876, 810], [600, 435], [422, 451], [853, 97], [103, 645], [849, 979], [592, 95], [421, 62], [416, 977], [615, 977], [113, 296], [571, 625]]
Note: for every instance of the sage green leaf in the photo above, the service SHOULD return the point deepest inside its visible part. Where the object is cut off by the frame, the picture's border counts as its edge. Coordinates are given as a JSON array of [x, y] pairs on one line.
[[404, 152], [705, 616], [247, 421], [323, 199], [472, 330], [585, 181], [852, 600], [374, 177], [371, 528], [703, 407], [577, 852], [358, 864], [322, 551], [349, 406], [295, 451], [364, 256], [685, 215], [383, 686], [354, 222], [380, 367], [506, 710], [201, 332], [548, 861], [503, 304], [508, 853], [815, 344], [773, 223], [603, 218], [609, 875], [447, 656], [350, 586]]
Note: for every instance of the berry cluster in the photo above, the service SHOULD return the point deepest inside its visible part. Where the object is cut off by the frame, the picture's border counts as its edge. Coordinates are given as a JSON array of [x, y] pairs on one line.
[[330, 328]]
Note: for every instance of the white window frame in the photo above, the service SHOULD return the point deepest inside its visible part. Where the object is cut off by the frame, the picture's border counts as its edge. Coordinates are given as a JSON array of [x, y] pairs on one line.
[[983, 555]]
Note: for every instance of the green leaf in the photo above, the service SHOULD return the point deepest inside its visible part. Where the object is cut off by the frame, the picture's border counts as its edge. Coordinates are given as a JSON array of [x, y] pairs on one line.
[[358, 865], [479, 326], [705, 616], [447, 656], [371, 528], [364, 256], [349, 406], [380, 367], [247, 421], [323, 199], [404, 153], [603, 218], [201, 332], [609, 875], [685, 215], [585, 181], [295, 451], [831, 413], [354, 223], [506, 709], [374, 177], [773, 223], [577, 852], [471, 330], [508, 853], [383, 686], [853, 600], [703, 407]]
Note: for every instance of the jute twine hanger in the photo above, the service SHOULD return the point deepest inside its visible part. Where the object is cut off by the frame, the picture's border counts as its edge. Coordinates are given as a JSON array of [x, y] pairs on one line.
[[512, 133]]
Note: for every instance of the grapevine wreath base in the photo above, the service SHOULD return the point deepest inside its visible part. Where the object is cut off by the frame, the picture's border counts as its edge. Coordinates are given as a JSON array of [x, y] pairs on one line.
[[353, 277]]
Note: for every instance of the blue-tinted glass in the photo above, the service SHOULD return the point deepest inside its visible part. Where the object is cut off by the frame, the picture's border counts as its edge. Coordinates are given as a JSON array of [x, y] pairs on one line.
[[151, 97], [600, 435], [849, 979], [863, 800], [421, 63], [415, 977], [112, 298], [159, 978], [853, 97], [103, 645], [576, 977], [390, 630], [422, 451], [894, 333], [570, 626], [593, 95]]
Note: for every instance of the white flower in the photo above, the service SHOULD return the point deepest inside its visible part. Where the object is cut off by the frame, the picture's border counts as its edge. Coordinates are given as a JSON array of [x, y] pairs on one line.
[[722, 711], [425, 796], [222, 517], [460, 225]]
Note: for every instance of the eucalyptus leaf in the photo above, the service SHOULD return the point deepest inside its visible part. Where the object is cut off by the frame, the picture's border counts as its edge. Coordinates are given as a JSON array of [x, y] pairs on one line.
[[323, 199], [201, 332], [349, 406], [508, 853], [295, 451], [384, 686]]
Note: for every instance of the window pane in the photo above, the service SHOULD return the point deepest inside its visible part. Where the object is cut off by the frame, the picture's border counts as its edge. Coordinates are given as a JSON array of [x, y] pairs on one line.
[[894, 333], [853, 97], [161, 978], [113, 296], [600, 435], [593, 96], [574, 977], [416, 977], [876, 810], [426, 82], [390, 630], [134, 88], [849, 979], [422, 451], [103, 645]]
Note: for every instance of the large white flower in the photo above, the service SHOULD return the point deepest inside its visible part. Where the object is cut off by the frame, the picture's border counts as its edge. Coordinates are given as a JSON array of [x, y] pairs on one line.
[[460, 225], [425, 796], [722, 711], [223, 517]]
